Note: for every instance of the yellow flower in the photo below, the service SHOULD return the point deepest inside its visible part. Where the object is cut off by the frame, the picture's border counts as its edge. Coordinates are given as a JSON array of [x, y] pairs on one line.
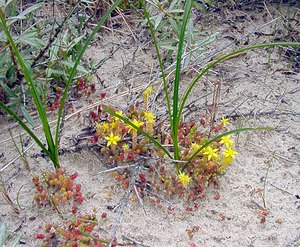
[[228, 156], [114, 124], [229, 153], [224, 121], [112, 139], [195, 147], [184, 179], [136, 123], [98, 126], [226, 141], [148, 91], [105, 127], [211, 153], [150, 117], [119, 113]]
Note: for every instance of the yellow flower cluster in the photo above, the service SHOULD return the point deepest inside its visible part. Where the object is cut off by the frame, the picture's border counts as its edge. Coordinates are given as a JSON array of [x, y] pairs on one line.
[[113, 129], [102, 128], [214, 154], [219, 155]]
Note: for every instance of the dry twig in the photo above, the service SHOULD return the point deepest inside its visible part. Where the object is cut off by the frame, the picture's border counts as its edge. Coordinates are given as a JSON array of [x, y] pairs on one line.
[[123, 205], [133, 241]]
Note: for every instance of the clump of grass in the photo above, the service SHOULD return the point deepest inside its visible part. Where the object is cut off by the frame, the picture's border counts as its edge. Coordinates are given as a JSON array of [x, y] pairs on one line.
[[52, 146]]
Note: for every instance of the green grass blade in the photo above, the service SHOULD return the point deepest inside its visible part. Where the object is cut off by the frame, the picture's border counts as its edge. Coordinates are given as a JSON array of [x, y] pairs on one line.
[[223, 58], [37, 101], [32, 135], [159, 60], [175, 120], [128, 122], [73, 71], [220, 136]]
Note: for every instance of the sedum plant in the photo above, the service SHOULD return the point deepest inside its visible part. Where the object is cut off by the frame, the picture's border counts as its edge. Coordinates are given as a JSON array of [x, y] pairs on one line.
[[216, 150]]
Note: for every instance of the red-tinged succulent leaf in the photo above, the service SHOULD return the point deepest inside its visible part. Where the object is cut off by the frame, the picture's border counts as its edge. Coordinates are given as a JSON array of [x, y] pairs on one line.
[[74, 175], [40, 236]]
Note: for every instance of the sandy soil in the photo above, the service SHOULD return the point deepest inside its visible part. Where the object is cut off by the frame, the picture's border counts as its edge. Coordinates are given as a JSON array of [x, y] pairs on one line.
[[259, 88]]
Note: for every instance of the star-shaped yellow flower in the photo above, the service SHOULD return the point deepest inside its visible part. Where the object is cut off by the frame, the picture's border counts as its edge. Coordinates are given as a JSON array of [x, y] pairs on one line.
[[150, 117], [184, 179], [148, 91], [136, 123], [229, 153], [226, 141], [114, 124], [120, 113], [224, 121], [112, 139], [211, 153], [98, 126], [195, 147], [105, 127]]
